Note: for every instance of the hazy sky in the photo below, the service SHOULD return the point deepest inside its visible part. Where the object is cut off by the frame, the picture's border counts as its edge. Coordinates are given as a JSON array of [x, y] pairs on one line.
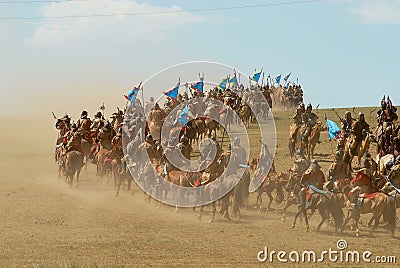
[[345, 53]]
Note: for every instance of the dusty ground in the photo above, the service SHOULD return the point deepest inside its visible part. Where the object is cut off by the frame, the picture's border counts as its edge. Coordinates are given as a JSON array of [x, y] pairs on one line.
[[44, 224]]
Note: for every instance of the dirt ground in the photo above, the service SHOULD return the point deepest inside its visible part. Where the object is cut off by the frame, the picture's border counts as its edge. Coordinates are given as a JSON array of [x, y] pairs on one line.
[[43, 223]]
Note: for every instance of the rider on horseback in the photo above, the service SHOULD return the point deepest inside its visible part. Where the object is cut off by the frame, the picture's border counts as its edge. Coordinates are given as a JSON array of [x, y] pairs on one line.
[[300, 165], [309, 120], [359, 130], [347, 124]]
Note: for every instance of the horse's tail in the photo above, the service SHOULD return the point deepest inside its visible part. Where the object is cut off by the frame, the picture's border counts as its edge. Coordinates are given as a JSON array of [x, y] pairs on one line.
[[390, 214]]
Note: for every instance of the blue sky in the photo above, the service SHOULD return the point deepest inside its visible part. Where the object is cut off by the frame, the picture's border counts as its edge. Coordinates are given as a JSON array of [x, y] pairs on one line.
[[345, 53]]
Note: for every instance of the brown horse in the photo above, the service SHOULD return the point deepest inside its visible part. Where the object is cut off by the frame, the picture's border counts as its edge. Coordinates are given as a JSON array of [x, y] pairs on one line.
[[211, 126], [200, 128], [245, 114], [241, 194], [360, 150], [85, 145], [73, 165], [272, 182], [376, 203], [101, 163], [327, 203], [212, 191], [313, 140]]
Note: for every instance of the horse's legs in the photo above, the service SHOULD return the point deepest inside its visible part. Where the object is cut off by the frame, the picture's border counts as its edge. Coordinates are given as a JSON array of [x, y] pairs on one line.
[[295, 218], [214, 210], [346, 221], [370, 221], [324, 217], [259, 201], [120, 181], [270, 200], [78, 172]]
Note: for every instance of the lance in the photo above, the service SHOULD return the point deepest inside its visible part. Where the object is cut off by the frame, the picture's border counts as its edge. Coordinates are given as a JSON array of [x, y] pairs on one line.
[[55, 117], [341, 119]]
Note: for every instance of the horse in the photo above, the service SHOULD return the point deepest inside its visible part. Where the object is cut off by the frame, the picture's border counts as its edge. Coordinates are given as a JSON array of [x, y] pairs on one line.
[[360, 150], [376, 203], [241, 194], [73, 165], [272, 182], [245, 114], [211, 126], [212, 191], [313, 140], [292, 196], [327, 204], [200, 128]]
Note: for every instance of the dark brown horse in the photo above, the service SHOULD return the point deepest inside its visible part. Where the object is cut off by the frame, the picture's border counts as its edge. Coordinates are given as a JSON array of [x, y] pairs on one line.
[[73, 165]]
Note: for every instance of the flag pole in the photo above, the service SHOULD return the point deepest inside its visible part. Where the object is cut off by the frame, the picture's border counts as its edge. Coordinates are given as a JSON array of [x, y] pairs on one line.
[[262, 80], [141, 88]]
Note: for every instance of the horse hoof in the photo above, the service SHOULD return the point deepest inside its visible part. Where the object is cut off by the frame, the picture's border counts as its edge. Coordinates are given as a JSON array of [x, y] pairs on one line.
[[199, 217], [211, 221], [307, 229], [292, 227]]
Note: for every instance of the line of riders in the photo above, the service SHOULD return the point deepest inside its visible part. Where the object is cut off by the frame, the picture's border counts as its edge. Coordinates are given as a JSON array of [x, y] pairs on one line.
[[101, 140], [305, 185]]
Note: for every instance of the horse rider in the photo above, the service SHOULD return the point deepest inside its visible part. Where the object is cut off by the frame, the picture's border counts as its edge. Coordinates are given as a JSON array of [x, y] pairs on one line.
[[387, 114], [83, 124], [98, 122], [359, 130], [309, 120], [240, 152], [157, 115], [149, 105], [364, 182], [385, 142], [173, 155], [297, 120], [347, 124], [67, 121], [300, 165]]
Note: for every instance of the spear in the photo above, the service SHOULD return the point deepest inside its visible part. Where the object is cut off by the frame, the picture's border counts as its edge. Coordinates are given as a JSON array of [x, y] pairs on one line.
[[55, 117]]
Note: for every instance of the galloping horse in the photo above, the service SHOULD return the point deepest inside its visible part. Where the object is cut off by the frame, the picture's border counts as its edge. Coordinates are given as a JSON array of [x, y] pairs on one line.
[[360, 150], [298, 143], [73, 165], [376, 203]]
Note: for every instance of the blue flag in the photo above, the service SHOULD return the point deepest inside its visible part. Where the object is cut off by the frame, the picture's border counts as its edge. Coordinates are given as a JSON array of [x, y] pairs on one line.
[[131, 95], [278, 79], [183, 117], [287, 77], [222, 85], [199, 86], [234, 80], [333, 130], [256, 76], [173, 93]]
